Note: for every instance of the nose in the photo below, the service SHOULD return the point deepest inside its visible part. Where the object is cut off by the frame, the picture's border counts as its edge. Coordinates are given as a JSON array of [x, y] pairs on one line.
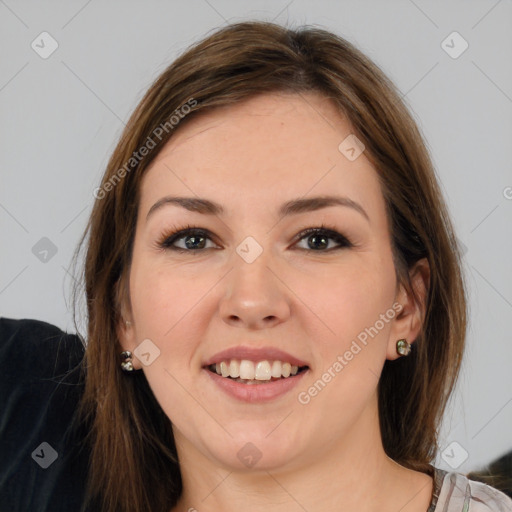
[[255, 296]]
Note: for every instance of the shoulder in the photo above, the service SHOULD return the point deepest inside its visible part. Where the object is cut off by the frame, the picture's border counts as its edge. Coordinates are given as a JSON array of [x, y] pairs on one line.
[[21, 341], [41, 383], [36, 359], [460, 494]]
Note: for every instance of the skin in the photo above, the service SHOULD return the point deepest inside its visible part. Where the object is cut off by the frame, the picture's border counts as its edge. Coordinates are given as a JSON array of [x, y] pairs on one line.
[[251, 158]]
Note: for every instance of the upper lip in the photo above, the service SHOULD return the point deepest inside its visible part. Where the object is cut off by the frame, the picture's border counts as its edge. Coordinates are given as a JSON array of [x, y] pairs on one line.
[[254, 354]]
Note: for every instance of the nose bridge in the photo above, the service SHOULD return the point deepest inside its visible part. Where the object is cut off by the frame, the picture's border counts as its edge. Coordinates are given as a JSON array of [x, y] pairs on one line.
[[253, 295]]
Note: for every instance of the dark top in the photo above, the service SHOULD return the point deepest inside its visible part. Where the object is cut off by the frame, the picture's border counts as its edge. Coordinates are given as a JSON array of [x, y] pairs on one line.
[[42, 466], [43, 456]]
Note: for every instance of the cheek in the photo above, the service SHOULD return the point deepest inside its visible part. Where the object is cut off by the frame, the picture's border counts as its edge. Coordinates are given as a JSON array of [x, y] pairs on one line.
[[347, 302], [162, 297], [163, 304]]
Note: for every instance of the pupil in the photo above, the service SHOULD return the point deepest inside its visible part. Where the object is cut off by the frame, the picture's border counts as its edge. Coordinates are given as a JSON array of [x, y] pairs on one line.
[[194, 239], [324, 242]]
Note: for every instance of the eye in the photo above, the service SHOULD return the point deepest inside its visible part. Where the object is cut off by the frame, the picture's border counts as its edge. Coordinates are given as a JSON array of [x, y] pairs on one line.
[[194, 240], [318, 239]]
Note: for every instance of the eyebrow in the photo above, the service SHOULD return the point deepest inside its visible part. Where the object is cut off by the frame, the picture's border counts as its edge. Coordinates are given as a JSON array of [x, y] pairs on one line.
[[294, 206]]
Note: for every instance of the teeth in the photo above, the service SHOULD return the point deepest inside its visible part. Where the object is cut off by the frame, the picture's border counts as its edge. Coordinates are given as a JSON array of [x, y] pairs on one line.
[[276, 369], [224, 370], [248, 370], [262, 371], [234, 368]]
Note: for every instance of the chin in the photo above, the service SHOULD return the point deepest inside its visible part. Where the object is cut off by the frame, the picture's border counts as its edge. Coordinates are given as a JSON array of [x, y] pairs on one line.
[[259, 451]]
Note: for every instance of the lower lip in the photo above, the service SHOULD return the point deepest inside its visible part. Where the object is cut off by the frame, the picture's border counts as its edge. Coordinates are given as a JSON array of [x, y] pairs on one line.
[[254, 393]]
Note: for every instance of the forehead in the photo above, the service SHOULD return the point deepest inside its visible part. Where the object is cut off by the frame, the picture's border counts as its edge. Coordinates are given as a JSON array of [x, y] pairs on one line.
[[269, 148]]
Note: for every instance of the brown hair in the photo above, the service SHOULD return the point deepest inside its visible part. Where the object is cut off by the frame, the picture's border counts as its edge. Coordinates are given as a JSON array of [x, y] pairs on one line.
[[497, 474], [133, 457]]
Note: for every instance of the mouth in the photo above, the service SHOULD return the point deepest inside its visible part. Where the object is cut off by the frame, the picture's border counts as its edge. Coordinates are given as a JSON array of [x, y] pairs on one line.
[[249, 372], [255, 374]]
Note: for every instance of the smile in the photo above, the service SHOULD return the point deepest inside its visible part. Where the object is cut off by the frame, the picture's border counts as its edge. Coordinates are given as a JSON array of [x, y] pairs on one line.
[[254, 390], [250, 372]]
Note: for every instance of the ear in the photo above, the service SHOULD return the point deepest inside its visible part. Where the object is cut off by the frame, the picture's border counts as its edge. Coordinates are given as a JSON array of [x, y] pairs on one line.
[[409, 321], [125, 327]]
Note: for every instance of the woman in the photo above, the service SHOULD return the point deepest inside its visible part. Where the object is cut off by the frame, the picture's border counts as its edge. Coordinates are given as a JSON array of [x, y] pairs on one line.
[[276, 311]]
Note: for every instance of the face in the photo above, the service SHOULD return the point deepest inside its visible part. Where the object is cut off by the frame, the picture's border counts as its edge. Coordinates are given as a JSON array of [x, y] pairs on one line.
[[249, 289]]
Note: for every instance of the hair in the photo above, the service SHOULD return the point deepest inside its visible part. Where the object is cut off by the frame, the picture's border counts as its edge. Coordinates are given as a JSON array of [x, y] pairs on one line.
[[497, 474], [133, 461]]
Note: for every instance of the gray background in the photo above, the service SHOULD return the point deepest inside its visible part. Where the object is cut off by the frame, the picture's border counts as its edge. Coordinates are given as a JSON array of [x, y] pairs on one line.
[[61, 117]]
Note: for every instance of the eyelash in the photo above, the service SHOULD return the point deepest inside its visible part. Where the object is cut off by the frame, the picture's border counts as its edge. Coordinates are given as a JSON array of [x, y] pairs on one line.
[[166, 241]]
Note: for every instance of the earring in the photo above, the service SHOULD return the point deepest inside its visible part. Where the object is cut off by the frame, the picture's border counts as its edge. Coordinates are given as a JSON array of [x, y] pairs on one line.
[[403, 348], [127, 323], [126, 363]]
